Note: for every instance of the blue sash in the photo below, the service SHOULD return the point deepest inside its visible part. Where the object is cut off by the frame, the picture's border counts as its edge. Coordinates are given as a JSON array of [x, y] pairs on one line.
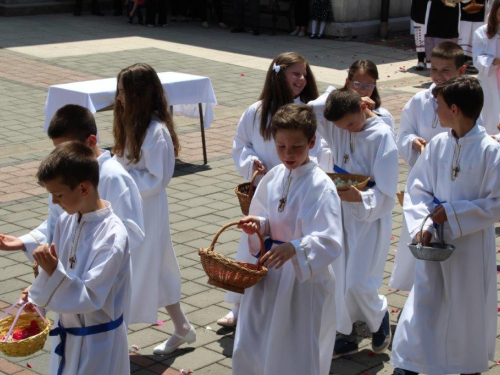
[[437, 202], [82, 331], [268, 243], [337, 169]]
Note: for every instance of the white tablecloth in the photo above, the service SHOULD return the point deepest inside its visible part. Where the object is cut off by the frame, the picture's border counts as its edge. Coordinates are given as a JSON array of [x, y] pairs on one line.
[[184, 92]]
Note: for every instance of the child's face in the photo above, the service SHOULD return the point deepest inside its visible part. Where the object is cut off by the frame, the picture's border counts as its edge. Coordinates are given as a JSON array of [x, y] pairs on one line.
[[352, 122], [445, 113], [443, 70], [121, 93], [70, 201], [362, 83], [293, 147], [296, 76]]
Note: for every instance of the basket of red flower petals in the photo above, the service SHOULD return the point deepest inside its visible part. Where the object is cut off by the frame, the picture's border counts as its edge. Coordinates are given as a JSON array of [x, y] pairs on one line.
[[245, 192], [23, 334]]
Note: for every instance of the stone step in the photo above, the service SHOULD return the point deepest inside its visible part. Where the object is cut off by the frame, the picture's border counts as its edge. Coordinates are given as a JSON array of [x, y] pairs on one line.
[[9, 8]]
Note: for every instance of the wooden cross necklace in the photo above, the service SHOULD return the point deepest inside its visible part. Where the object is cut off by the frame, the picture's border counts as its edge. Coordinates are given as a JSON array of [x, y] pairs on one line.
[[284, 193], [352, 144], [455, 167], [74, 247]]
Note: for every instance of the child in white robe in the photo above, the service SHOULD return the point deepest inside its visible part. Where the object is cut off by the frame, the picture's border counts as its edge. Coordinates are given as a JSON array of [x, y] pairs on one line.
[[289, 80], [419, 124], [361, 143], [287, 320], [85, 272], [449, 322], [146, 145], [486, 56], [362, 77]]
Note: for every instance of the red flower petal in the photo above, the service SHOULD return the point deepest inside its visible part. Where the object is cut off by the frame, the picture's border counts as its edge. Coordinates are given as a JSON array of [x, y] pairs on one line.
[[371, 354], [242, 74], [28, 365]]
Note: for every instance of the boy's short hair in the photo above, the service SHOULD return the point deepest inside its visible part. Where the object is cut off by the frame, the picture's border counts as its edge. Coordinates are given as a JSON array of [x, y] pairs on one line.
[[465, 92], [73, 162], [72, 121], [295, 117], [342, 102], [450, 51]]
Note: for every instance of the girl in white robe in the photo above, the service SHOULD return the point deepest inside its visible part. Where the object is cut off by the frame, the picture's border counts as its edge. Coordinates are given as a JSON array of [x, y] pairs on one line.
[[370, 152], [287, 320], [289, 80], [449, 322], [486, 57], [141, 115], [362, 77]]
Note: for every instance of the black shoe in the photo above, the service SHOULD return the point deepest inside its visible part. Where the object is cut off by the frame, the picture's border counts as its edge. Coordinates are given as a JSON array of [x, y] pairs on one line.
[[313, 36], [319, 36], [238, 30], [344, 347], [77, 13], [382, 338], [255, 32], [97, 13], [400, 371]]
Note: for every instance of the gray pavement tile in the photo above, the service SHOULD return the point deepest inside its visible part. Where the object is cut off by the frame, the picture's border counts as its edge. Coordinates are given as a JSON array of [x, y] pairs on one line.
[[194, 360]]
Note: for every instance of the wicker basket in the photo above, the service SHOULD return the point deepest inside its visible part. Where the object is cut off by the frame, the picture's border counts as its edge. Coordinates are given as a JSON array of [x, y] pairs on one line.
[[401, 197], [473, 7], [361, 180], [244, 192], [228, 274], [30, 345]]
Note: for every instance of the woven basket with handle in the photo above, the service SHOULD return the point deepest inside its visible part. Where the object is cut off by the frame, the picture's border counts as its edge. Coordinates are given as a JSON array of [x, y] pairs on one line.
[[361, 180], [244, 192], [229, 274], [28, 346]]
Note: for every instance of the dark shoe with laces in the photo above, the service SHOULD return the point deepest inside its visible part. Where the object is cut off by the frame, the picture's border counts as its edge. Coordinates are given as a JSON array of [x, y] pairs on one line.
[[344, 347], [382, 338]]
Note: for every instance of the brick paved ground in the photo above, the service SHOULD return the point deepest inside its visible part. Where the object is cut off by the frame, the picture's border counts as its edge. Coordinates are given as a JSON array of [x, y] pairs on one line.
[[41, 51]]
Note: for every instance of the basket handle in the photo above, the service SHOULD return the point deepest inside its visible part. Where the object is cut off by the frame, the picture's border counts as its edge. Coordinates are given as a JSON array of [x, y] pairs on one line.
[[422, 229], [252, 181], [214, 241], [24, 304]]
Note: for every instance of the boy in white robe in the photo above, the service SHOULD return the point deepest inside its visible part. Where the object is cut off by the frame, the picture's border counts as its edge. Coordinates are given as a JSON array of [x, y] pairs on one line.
[[85, 272], [287, 321], [361, 143], [76, 123], [486, 57], [419, 124], [449, 321]]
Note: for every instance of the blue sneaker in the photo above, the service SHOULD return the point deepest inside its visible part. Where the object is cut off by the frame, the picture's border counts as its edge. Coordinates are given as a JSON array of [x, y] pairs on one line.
[[344, 347], [382, 338]]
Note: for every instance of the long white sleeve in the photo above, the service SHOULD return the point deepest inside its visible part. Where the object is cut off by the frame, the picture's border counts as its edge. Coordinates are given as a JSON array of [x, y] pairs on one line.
[[483, 61], [243, 152], [408, 131]]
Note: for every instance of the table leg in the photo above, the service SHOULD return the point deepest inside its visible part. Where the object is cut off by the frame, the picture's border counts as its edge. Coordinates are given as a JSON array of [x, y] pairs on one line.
[[202, 128]]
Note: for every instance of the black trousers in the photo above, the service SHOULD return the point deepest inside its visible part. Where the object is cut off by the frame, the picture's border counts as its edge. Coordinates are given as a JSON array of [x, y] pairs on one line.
[[179, 7], [94, 6], [156, 6], [239, 9], [301, 10], [201, 6]]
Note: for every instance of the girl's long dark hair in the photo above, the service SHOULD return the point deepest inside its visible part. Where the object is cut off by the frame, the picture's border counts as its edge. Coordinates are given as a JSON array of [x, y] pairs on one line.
[[276, 92], [492, 27], [144, 100]]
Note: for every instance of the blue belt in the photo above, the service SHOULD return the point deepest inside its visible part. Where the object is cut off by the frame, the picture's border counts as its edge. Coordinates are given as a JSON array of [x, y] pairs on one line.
[[337, 169], [437, 202], [268, 243], [82, 331]]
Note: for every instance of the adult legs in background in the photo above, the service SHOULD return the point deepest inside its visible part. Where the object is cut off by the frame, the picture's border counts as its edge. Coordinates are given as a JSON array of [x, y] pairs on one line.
[[239, 10], [419, 31], [151, 12], [255, 15], [162, 12]]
